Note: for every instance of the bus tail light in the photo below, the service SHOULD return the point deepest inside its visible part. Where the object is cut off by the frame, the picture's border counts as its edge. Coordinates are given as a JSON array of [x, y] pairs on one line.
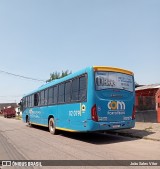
[[134, 112], [94, 113]]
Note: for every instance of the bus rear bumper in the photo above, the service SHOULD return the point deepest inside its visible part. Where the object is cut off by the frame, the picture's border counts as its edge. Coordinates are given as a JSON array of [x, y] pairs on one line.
[[103, 126]]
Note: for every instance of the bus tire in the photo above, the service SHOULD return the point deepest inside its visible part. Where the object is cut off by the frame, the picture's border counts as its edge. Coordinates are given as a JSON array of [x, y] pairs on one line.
[[28, 121], [51, 126]]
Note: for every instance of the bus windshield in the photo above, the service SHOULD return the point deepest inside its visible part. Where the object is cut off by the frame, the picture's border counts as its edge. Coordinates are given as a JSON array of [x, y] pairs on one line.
[[110, 80]]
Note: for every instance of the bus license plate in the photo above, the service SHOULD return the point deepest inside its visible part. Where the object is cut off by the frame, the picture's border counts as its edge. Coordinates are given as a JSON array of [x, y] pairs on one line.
[[116, 126]]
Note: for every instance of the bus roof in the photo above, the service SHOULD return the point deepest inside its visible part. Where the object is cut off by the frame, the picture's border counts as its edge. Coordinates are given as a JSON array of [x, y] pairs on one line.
[[95, 68], [57, 81], [112, 69]]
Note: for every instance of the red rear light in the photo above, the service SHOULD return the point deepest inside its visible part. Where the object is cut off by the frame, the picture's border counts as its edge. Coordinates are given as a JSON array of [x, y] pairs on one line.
[[134, 112], [94, 113]]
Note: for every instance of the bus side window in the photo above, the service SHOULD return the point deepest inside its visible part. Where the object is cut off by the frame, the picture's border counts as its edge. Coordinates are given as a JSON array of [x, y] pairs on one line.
[[36, 99], [42, 100], [23, 103], [55, 94], [50, 95], [61, 93], [31, 101], [82, 88], [46, 97], [32, 104], [27, 101], [75, 89], [68, 91]]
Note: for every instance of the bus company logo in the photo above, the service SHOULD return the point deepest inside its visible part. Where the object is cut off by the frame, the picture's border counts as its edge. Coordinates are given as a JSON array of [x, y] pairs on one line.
[[116, 105]]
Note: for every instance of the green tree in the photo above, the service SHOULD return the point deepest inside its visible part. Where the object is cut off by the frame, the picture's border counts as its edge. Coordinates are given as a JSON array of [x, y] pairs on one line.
[[57, 75]]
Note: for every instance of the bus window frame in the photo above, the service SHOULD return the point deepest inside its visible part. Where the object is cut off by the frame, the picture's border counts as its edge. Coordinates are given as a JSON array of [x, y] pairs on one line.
[[56, 88]]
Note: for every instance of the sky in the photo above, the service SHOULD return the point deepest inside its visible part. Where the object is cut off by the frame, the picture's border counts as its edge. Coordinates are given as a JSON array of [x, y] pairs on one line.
[[38, 37]]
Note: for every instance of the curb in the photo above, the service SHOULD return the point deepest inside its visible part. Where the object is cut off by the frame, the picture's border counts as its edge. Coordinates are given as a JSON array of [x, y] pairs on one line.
[[133, 136]]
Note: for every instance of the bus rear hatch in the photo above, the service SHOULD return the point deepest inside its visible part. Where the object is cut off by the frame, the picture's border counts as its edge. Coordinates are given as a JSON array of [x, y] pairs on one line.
[[114, 96]]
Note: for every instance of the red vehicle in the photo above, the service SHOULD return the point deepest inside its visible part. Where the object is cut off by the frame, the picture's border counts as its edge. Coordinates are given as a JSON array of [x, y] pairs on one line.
[[9, 112]]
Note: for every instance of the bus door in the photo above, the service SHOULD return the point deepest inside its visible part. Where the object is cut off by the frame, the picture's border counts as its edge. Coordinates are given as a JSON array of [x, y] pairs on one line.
[[35, 111]]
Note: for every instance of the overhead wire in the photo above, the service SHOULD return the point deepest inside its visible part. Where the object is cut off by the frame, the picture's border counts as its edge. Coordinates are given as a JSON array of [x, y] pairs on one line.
[[6, 98], [21, 76], [10, 96]]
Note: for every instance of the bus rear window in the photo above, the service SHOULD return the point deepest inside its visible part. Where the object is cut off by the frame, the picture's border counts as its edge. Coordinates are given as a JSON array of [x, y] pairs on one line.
[[110, 80]]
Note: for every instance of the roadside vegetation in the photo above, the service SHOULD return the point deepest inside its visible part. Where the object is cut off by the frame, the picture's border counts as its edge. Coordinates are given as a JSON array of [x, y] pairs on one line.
[[58, 75]]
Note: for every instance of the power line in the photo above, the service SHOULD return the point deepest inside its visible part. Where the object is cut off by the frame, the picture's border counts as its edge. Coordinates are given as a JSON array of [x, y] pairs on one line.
[[11, 96], [25, 77], [4, 99]]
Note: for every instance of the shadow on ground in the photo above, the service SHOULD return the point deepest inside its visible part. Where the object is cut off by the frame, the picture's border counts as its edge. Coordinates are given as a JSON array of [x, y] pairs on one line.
[[93, 138], [132, 133]]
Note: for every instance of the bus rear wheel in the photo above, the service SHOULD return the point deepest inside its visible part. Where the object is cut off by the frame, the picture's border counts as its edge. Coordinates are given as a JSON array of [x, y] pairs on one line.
[[52, 127], [28, 121]]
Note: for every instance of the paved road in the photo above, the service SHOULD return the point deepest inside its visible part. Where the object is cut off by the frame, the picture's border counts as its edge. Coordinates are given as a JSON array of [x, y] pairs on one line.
[[19, 142]]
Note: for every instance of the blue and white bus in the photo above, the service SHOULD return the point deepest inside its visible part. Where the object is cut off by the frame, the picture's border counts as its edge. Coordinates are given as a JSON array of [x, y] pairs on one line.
[[97, 98]]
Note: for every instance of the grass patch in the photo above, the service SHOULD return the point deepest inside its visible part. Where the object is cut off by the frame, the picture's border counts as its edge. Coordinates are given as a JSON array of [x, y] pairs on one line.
[[18, 117], [149, 128]]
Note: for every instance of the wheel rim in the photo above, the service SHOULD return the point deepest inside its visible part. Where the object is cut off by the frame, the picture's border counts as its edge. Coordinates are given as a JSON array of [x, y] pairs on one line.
[[28, 121], [51, 126]]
